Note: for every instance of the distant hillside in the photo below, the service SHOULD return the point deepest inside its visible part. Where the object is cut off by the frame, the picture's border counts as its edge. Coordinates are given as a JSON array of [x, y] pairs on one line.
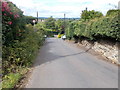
[[60, 18]]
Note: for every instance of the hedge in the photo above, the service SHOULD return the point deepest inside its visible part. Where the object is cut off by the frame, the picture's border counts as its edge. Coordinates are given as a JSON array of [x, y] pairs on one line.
[[104, 27]]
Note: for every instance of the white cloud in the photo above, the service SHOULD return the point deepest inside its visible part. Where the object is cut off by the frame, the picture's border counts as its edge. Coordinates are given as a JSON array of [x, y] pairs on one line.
[[57, 8], [94, 1]]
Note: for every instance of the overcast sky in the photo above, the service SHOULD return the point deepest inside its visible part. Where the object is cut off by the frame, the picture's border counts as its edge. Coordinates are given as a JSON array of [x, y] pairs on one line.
[[57, 8]]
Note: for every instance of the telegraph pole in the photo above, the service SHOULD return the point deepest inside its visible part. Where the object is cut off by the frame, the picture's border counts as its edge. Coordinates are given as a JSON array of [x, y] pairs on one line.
[[119, 5], [37, 16], [64, 22]]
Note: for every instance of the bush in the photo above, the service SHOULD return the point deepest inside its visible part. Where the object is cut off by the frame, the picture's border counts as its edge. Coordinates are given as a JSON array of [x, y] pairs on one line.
[[70, 30], [104, 27], [21, 53], [10, 80], [112, 12], [13, 23], [20, 43]]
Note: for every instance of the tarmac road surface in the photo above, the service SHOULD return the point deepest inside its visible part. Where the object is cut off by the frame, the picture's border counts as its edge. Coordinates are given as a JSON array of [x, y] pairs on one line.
[[61, 65]]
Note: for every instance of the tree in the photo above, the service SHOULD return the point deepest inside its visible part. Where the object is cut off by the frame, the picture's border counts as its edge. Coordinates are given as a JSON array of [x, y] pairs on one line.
[[13, 23], [113, 12], [29, 19], [59, 25], [50, 23], [87, 15]]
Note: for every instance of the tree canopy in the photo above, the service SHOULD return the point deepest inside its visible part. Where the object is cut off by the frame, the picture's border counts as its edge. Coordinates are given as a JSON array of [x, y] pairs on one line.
[[50, 23], [87, 15]]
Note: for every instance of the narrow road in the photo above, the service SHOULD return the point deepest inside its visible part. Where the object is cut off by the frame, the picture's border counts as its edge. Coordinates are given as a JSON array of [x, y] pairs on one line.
[[61, 65]]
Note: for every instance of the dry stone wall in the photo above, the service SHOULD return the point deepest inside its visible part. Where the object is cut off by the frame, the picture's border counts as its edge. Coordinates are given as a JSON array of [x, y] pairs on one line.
[[107, 48]]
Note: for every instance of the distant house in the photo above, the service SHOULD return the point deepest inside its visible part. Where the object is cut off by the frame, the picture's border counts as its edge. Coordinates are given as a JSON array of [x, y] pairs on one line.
[[41, 20]]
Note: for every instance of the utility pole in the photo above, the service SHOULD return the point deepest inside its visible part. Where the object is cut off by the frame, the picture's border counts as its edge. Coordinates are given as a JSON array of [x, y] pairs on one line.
[[86, 8], [119, 5], [64, 22], [37, 16]]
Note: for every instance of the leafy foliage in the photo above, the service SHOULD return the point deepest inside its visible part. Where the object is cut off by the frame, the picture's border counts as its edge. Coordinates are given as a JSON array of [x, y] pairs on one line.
[[29, 19], [10, 80], [13, 23], [59, 25], [87, 15], [50, 23], [70, 30], [103, 27], [22, 53], [20, 43], [112, 12]]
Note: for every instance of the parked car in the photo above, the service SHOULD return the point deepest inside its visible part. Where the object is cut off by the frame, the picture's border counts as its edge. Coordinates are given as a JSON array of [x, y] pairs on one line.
[[59, 35], [45, 36], [63, 37]]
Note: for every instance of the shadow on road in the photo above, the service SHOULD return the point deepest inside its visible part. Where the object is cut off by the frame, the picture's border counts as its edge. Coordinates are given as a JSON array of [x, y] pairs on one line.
[[60, 64], [45, 55]]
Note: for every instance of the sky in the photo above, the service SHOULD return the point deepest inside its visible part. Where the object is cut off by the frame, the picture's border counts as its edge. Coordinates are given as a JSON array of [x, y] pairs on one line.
[[57, 8]]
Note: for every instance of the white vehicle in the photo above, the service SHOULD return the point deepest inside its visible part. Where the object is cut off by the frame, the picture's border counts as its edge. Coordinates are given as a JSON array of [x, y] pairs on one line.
[[63, 37], [45, 36]]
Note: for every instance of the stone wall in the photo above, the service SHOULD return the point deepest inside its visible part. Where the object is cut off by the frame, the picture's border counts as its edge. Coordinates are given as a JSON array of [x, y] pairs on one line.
[[106, 48]]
